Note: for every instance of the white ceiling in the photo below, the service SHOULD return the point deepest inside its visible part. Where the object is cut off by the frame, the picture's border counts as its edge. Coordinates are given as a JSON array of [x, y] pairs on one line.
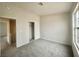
[[47, 8]]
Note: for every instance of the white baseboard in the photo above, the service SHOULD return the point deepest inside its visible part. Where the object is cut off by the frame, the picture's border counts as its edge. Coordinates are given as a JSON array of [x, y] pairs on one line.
[[60, 42]]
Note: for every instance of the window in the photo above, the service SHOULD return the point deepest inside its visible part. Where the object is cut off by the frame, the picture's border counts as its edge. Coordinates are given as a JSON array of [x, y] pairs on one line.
[[77, 27], [75, 30]]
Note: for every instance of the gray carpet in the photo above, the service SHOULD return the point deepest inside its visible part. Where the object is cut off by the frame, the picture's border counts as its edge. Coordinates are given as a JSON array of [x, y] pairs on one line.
[[39, 48]]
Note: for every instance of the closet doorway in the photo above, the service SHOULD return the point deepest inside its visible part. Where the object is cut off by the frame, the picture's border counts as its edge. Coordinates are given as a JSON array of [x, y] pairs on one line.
[[32, 30], [13, 32]]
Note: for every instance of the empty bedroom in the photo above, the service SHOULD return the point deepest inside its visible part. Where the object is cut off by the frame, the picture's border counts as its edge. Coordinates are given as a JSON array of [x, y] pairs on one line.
[[39, 29]]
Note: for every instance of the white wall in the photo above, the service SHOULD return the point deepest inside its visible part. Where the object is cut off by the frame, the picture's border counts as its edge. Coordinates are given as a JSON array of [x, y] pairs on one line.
[[22, 17], [56, 28]]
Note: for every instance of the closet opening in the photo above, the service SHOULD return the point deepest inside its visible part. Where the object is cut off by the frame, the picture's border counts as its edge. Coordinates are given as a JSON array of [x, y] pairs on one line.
[[32, 30]]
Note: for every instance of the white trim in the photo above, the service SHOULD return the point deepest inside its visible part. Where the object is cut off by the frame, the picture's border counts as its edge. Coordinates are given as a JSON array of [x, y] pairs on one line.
[[75, 9], [34, 29]]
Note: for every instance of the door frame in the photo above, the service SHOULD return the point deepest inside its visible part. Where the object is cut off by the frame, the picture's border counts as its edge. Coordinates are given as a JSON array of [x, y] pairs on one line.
[[8, 28], [30, 30]]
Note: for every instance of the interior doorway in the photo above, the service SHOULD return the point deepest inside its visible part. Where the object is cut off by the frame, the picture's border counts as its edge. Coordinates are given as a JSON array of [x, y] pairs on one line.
[[32, 30], [7, 32], [13, 32]]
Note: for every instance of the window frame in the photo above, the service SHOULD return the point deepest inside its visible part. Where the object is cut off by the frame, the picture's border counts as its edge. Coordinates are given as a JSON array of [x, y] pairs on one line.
[[74, 41]]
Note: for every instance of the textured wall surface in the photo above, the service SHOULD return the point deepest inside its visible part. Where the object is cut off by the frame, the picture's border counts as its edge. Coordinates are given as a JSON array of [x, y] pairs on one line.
[[56, 28]]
